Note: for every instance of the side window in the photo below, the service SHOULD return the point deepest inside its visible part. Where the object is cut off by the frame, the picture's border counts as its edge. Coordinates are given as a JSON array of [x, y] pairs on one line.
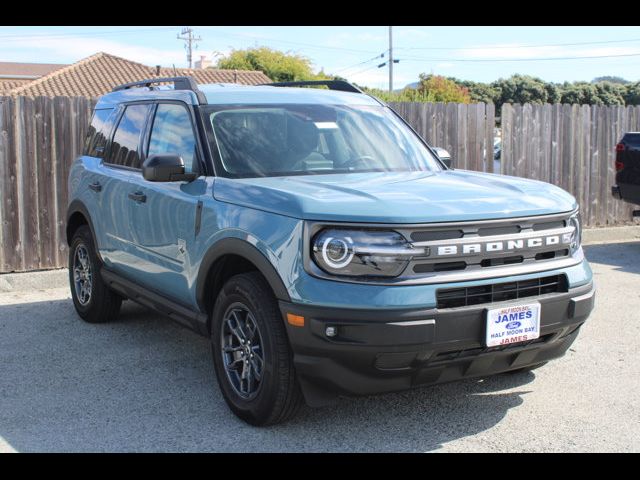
[[172, 133], [124, 147], [99, 130]]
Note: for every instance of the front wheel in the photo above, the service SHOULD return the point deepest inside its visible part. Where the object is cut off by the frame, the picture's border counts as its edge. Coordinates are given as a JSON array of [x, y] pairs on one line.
[[251, 353]]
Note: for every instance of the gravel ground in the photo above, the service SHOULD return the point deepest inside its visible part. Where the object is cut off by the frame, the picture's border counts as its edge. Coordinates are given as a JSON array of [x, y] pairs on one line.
[[145, 384]]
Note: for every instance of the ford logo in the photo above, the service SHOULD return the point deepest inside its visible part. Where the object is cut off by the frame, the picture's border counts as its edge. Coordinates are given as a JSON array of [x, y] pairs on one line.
[[512, 325]]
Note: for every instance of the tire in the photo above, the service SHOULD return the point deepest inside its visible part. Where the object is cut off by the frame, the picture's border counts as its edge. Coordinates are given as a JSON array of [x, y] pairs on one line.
[[529, 368], [99, 304], [270, 393]]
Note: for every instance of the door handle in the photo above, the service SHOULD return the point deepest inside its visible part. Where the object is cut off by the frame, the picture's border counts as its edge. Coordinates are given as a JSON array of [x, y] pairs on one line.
[[138, 197], [95, 186]]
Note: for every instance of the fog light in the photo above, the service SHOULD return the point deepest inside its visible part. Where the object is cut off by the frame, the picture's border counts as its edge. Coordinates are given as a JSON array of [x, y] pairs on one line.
[[331, 331]]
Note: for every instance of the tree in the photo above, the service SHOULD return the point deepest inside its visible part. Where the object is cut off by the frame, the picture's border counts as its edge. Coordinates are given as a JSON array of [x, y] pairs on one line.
[[632, 94], [479, 92], [278, 66], [435, 88], [603, 93], [521, 89]]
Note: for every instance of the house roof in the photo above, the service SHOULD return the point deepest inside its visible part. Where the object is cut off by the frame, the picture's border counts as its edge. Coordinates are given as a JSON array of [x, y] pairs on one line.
[[11, 69], [98, 74]]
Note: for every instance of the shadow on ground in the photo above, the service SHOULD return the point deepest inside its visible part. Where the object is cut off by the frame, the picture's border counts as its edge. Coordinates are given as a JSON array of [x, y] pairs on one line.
[[623, 256], [145, 384]]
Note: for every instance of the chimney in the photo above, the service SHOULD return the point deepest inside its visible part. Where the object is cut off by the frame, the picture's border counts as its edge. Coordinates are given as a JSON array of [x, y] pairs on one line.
[[157, 70], [202, 63]]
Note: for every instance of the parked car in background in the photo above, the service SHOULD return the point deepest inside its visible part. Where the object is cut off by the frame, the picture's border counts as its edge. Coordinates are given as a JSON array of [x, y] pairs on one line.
[[627, 165], [321, 245]]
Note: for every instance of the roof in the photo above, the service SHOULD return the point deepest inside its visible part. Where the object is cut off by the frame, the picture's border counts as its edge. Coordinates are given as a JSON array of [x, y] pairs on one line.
[[229, 94], [225, 94], [28, 69], [98, 74]]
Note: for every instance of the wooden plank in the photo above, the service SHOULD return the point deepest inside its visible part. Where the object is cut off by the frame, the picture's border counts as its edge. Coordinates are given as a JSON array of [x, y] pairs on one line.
[[490, 123], [30, 205], [471, 137], [8, 198], [46, 184]]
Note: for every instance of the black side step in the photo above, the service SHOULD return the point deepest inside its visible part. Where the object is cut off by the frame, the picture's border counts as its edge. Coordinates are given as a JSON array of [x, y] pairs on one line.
[[196, 321]]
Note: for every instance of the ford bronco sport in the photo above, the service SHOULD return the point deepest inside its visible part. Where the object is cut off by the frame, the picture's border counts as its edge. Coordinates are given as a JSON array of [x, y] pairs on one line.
[[318, 241]]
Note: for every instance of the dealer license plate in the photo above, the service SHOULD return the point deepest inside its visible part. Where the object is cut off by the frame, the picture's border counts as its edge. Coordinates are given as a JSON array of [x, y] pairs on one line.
[[513, 324]]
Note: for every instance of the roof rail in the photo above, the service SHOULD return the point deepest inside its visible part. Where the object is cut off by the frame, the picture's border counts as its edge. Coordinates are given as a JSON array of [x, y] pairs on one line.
[[340, 85], [179, 83]]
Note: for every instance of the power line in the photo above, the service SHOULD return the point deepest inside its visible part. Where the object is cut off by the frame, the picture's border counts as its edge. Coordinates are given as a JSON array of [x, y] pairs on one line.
[[543, 59], [362, 71], [521, 46], [361, 63]]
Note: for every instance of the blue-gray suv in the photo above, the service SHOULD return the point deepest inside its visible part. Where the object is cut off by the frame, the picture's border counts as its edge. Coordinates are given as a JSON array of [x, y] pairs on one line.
[[318, 241]]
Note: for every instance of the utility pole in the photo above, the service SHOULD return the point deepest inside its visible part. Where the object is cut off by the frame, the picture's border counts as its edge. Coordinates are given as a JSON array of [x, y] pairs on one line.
[[390, 60], [189, 39]]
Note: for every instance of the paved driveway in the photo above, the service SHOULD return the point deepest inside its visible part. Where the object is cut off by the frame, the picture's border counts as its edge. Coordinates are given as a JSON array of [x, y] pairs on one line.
[[145, 384]]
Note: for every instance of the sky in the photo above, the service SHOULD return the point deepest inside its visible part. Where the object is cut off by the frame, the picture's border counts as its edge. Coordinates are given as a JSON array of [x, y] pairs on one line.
[[470, 53]]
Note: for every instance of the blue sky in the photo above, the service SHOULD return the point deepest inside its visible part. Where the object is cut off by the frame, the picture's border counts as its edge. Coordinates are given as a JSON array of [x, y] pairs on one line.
[[471, 53]]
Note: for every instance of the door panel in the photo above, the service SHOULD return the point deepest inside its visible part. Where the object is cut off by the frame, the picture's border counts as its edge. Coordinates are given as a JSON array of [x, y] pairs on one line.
[[120, 164], [163, 225]]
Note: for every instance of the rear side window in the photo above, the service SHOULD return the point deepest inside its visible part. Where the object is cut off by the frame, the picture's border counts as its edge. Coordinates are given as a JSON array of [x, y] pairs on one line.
[[98, 133], [172, 133], [125, 147], [632, 139]]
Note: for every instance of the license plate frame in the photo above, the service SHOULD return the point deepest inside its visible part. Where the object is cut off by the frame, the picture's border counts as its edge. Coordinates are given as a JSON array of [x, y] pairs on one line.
[[512, 324]]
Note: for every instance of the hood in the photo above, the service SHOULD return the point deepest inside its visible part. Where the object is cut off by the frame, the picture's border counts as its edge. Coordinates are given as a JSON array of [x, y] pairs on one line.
[[406, 197]]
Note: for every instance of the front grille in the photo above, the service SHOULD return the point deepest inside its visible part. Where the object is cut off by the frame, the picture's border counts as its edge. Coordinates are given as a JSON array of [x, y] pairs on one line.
[[499, 292]]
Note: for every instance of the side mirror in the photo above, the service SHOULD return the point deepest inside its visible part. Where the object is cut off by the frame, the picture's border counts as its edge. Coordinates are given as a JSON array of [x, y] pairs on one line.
[[444, 156], [166, 168]]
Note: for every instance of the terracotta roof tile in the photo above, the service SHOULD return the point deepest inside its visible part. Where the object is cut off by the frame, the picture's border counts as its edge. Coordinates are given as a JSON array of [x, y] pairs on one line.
[[99, 73], [31, 69]]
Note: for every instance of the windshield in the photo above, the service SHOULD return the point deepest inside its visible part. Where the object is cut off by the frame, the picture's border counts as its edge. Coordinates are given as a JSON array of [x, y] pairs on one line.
[[282, 140]]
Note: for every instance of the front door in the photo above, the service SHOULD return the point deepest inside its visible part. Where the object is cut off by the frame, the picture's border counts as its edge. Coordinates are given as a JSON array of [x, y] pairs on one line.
[[163, 218]]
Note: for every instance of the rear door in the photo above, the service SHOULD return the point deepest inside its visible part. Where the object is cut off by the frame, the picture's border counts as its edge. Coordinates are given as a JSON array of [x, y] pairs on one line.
[[163, 221], [121, 163]]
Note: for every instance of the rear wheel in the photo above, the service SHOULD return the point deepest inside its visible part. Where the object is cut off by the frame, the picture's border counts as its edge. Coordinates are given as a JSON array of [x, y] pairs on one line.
[[251, 353], [93, 300]]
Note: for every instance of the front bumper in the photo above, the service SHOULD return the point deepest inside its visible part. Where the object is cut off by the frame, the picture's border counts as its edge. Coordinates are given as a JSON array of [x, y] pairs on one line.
[[377, 351]]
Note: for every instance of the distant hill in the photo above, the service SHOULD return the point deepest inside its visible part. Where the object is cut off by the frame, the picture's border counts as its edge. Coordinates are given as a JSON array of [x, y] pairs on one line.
[[410, 85], [611, 79]]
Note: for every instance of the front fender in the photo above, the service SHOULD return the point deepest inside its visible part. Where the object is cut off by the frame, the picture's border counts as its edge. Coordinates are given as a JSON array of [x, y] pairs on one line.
[[237, 246]]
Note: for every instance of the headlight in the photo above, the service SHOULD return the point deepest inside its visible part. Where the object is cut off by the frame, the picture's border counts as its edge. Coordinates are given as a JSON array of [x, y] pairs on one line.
[[362, 253], [576, 238]]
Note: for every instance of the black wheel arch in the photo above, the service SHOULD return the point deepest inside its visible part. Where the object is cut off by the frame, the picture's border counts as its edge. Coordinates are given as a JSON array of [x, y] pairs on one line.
[[243, 249], [78, 214]]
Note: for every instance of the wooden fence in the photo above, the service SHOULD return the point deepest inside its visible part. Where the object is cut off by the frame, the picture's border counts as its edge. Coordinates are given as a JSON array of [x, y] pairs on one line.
[[572, 146], [39, 138], [465, 131]]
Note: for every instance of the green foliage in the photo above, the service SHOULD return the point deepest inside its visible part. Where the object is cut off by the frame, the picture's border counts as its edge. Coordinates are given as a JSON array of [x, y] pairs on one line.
[[603, 93], [521, 89], [278, 66], [604, 90], [479, 92], [432, 88], [632, 94]]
